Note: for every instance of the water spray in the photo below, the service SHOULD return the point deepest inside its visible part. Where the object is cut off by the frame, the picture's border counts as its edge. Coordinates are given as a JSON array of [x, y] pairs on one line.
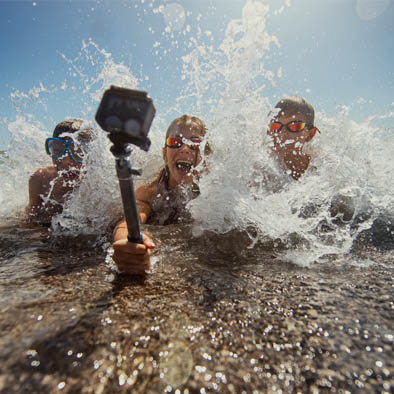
[[127, 116]]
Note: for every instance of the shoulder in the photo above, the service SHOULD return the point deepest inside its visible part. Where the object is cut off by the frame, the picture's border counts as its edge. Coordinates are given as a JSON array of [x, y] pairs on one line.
[[147, 192], [39, 185], [44, 173], [42, 177]]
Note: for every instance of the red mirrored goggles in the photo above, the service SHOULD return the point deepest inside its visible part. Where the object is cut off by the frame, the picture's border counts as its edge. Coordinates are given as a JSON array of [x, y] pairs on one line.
[[294, 126]]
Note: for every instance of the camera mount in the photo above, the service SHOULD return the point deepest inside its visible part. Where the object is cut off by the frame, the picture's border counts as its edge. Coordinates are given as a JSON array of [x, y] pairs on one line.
[[127, 116]]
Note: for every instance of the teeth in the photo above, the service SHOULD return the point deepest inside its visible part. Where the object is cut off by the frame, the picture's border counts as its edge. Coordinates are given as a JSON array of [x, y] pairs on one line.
[[183, 165]]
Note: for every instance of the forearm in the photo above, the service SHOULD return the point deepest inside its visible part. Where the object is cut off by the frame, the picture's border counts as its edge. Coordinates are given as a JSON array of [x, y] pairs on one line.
[[35, 208], [37, 190], [120, 231], [143, 209]]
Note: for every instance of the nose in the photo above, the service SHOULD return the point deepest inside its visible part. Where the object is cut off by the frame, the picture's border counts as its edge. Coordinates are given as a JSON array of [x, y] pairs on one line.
[[185, 146]]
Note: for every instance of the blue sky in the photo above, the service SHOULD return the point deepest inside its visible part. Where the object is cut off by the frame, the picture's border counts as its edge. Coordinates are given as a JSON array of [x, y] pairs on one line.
[[333, 52]]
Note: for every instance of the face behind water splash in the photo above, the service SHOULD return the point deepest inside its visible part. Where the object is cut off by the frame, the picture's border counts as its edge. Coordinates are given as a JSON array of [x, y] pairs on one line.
[[320, 215], [324, 212], [244, 187]]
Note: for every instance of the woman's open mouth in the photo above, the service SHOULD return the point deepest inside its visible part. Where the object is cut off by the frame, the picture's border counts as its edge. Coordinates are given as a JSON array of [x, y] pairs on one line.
[[184, 167]]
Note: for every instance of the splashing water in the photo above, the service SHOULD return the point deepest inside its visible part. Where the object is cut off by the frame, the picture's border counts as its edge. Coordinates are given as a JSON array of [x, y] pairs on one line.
[[201, 319], [326, 210], [244, 189], [95, 204]]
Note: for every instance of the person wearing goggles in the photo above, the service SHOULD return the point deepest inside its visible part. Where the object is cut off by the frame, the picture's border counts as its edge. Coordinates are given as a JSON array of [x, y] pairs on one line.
[[49, 186], [163, 201], [58, 148], [290, 129]]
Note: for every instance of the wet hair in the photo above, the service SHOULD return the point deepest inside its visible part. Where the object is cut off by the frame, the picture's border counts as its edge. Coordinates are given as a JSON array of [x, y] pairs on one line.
[[192, 122], [187, 120], [297, 104], [73, 126]]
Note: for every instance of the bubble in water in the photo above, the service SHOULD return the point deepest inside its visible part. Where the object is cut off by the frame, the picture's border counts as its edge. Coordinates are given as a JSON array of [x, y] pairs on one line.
[[176, 364], [174, 16], [370, 9]]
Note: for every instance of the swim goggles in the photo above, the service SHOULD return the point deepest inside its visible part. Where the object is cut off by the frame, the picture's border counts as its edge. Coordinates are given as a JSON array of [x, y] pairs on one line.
[[293, 126], [57, 148], [176, 142]]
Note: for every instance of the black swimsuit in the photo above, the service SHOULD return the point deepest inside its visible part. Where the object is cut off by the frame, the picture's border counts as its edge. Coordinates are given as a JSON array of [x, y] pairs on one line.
[[169, 206]]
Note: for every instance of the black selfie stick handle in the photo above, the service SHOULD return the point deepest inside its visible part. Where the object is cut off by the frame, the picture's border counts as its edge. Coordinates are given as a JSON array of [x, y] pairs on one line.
[[125, 176]]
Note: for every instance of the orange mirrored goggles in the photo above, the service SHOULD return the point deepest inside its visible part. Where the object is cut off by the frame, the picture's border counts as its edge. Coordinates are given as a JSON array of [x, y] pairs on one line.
[[294, 126]]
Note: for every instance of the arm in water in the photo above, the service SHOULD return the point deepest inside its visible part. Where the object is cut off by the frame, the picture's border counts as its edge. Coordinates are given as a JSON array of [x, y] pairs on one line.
[[38, 186], [47, 192], [132, 257]]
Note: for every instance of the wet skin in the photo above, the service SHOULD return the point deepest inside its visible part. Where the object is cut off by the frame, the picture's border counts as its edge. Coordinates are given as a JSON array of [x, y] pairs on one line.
[[288, 146], [180, 161], [49, 186]]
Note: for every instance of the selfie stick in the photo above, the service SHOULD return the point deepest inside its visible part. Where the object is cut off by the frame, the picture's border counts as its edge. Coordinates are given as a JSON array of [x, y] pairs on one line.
[[125, 174], [127, 116]]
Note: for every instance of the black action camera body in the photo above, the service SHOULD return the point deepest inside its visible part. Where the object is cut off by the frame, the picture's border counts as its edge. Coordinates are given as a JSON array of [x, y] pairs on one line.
[[127, 115]]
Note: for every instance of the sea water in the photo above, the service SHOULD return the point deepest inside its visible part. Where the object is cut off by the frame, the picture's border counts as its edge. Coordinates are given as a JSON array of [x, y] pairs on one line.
[[244, 189], [270, 285]]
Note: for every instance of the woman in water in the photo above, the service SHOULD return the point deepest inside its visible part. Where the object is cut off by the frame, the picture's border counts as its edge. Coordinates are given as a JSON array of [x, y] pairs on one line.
[[163, 201]]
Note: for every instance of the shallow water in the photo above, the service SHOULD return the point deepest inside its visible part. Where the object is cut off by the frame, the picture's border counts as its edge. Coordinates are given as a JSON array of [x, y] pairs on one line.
[[212, 315], [225, 83], [273, 287]]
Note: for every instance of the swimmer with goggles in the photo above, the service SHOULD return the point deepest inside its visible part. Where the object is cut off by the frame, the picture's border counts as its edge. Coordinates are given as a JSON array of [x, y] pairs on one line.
[[58, 147]]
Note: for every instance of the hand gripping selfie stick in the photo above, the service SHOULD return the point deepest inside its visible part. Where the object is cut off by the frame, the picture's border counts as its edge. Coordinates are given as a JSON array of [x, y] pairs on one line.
[[127, 116]]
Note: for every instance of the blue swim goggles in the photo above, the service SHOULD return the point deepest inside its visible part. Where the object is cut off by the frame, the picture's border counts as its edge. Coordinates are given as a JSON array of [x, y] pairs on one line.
[[57, 148]]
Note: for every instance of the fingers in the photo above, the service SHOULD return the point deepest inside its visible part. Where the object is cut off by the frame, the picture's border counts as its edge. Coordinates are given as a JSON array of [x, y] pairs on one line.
[[148, 242], [133, 258]]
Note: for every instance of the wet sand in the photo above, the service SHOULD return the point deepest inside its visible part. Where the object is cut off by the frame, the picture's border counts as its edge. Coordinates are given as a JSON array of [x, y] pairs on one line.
[[213, 316]]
